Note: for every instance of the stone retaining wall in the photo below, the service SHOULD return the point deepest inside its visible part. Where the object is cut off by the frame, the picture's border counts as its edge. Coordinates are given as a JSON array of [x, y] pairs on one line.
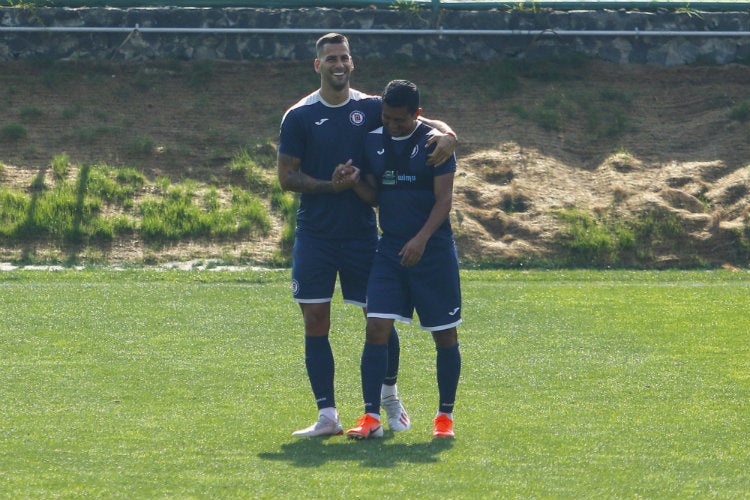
[[134, 45]]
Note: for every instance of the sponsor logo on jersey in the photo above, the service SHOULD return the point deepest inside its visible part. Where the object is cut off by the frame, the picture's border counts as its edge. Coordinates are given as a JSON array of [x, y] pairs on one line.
[[414, 151], [321, 121], [389, 178], [380, 152], [357, 117]]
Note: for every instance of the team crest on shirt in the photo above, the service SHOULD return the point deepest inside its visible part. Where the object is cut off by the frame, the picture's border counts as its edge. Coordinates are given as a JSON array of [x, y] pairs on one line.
[[357, 117], [295, 287]]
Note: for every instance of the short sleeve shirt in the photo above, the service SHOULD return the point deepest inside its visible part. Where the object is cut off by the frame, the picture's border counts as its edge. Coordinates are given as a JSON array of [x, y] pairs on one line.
[[406, 192], [323, 136]]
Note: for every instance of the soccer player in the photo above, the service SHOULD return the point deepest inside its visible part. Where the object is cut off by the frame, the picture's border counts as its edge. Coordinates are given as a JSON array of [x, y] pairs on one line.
[[336, 231], [416, 264]]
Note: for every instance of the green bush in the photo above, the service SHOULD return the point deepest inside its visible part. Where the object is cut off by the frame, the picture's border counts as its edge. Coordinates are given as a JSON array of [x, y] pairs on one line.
[[586, 240], [245, 167], [115, 186], [250, 213], [60, 166], [14, 207], [173, 217], [286, 204], [740, 112], [141, 146], [176, 216], [12, 132], [211, 199], [610, 240], [131, 177], [69, 212], [30, 112]]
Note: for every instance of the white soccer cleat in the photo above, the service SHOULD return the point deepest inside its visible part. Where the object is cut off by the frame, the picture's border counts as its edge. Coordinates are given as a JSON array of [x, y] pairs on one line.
[[323, 427], [398, 419]]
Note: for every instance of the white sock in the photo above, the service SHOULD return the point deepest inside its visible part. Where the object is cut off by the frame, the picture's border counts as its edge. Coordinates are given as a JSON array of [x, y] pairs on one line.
[[329, 412], [450, 415], [388, 391], [375, 415]]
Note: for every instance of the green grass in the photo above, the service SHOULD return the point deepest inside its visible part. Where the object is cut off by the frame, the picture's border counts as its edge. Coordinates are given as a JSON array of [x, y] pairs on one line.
[[244, 166], [575, 384], [72, 210], [590, 240]]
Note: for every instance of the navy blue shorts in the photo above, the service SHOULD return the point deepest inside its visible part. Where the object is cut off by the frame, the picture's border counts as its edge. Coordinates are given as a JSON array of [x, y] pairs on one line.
[[317, 261], [432, 287]]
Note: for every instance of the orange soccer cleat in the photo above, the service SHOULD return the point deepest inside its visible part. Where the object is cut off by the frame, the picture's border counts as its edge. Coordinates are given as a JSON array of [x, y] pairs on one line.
[[367, 427], [443, 426]]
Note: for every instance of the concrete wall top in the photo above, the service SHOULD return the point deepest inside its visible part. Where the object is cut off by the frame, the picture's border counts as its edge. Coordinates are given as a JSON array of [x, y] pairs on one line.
[[136, 34]]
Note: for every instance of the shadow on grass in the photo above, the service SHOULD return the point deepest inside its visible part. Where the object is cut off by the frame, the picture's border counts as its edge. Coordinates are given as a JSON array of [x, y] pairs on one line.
[[314, 452], [28, 226]]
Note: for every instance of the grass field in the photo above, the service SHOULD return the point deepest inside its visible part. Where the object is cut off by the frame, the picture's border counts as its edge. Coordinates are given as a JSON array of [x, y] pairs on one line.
[[175, 384]]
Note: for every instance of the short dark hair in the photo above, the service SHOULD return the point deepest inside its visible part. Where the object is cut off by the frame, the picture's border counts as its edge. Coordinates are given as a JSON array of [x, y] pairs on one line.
[[400, 93], [334, 38]]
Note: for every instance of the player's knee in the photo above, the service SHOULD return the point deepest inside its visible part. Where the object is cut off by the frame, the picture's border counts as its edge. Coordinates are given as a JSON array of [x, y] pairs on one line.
[[378, 331], [317, 320], [316, 326], [445, 339]]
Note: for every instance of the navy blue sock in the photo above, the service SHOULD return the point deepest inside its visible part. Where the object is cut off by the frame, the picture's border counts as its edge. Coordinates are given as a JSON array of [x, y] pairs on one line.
[[448, 372], [320, 370], [373, 365], [394, 354]]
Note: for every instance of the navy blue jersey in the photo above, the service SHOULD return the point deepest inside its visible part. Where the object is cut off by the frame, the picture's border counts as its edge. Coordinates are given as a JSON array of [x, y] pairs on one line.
[[405, 182], [322, 136]]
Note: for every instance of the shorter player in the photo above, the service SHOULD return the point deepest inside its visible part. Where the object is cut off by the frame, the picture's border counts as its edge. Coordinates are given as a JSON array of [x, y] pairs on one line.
[[416, 265]]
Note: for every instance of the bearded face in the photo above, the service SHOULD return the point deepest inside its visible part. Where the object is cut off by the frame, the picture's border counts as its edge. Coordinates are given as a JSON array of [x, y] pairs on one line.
[[335, 65]]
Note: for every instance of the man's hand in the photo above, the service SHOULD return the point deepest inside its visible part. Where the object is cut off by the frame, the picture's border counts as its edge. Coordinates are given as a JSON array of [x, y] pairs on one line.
[[344, 177], [412, 252], [445, 147]]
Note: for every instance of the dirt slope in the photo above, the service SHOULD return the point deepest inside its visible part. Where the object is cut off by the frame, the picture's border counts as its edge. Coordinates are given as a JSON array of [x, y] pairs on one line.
[[587, 137]]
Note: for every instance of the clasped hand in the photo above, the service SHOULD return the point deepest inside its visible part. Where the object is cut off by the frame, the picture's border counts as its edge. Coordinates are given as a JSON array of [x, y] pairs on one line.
[[345, 176]]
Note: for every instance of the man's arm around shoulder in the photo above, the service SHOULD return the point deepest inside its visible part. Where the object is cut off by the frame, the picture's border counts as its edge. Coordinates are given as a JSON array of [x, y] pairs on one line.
[[446, 141]]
